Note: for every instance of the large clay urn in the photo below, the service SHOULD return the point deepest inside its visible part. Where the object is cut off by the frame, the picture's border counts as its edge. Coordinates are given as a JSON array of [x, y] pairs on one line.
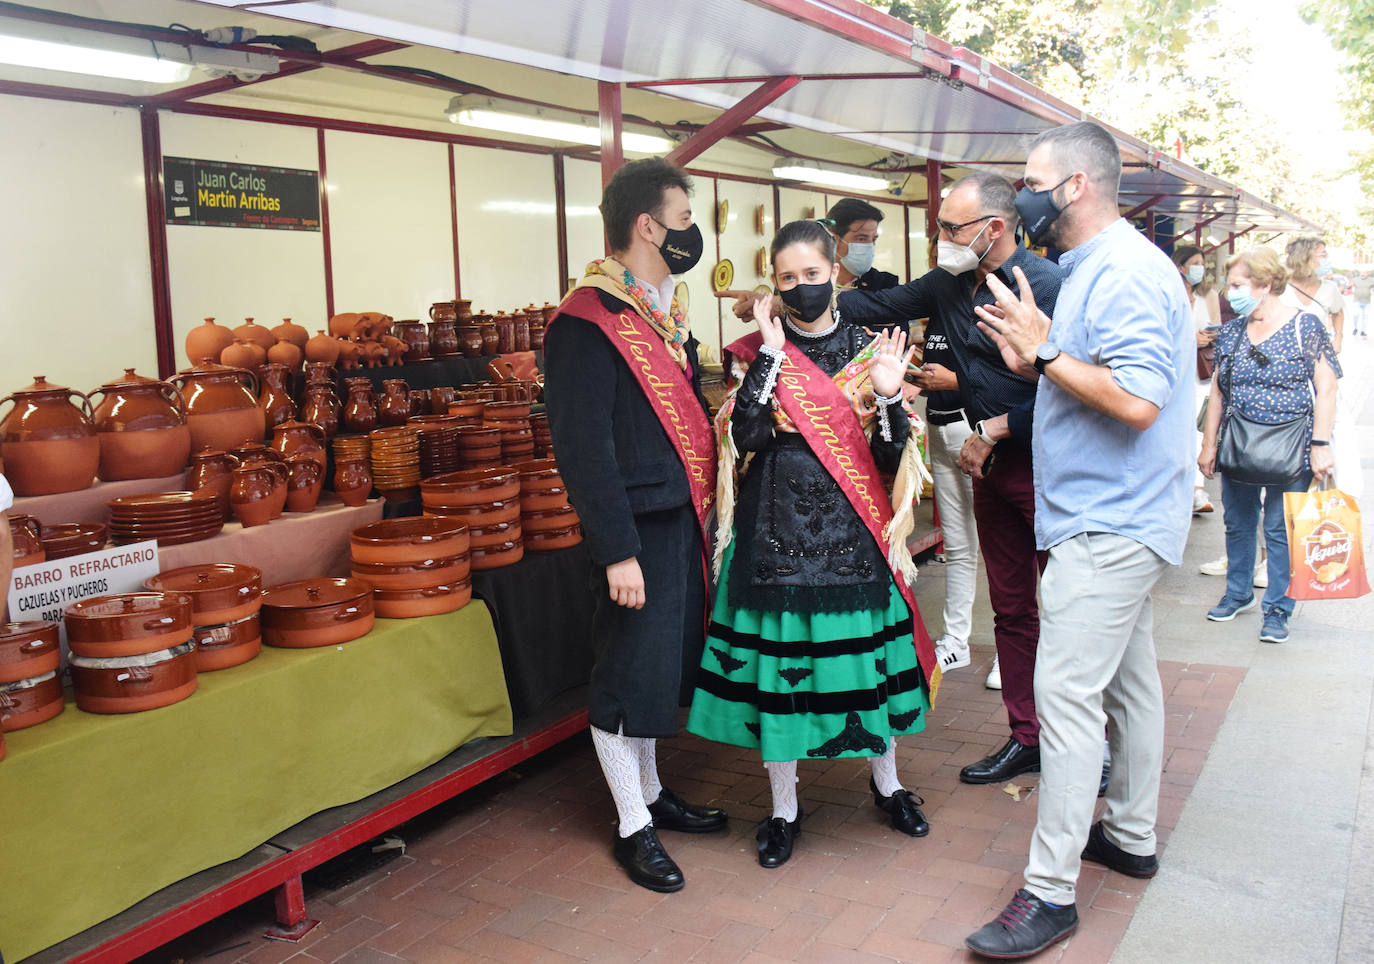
[[243, 353], [322, 348], [256, 333], [213, 471], [47, 443], [287, 353], [293, 333], [141, 425], [275, 399], [300, 438], [207, 341], [221, 406], [322, 408]]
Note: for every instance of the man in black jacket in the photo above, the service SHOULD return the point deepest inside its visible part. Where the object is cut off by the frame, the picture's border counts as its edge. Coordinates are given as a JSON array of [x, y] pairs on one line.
[[635, 448]]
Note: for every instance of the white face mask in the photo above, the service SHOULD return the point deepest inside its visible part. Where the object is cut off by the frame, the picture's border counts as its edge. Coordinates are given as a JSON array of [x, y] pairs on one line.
[[1195, 273], [859, 258], [959, 258]]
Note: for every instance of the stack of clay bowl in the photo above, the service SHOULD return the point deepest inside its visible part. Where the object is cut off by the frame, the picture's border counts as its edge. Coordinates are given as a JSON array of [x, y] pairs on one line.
[[30, 689], [347, 447], [72, 539], [547, 521], [395, 458], [316, 612], [488, 501], [438, 444], [467, 409], [479, 447], [543, 441], [172, 518], [131, 651], [225, 599], [415, 566], [513, 419]]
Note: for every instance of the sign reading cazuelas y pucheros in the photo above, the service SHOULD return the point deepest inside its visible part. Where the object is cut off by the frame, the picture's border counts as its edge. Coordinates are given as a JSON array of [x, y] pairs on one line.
[[229, 195]]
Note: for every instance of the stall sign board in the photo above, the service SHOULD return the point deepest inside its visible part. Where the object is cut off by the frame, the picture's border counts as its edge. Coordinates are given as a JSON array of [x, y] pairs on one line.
[[224, 194]]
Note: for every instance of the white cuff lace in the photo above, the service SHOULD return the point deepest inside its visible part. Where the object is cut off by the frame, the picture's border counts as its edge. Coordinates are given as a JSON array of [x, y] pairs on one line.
[[775, 358], [885, 404]]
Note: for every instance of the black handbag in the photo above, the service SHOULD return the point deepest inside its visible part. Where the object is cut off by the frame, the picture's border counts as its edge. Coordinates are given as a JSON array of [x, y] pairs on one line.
[[1262, 453]]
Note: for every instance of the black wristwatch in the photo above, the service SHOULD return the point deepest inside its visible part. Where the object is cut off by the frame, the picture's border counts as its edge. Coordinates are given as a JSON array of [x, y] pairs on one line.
[[1046, 353], [1320, 441]]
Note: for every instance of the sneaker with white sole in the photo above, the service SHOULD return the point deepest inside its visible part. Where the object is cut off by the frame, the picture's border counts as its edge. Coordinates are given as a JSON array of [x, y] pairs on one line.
[[950, 654], [1275, 626], [1228, 609], [1200, 502], [1217, 567], [994, 681]]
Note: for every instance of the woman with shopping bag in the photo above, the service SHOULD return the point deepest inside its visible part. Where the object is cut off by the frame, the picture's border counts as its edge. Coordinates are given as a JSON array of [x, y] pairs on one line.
[[1268, 427]]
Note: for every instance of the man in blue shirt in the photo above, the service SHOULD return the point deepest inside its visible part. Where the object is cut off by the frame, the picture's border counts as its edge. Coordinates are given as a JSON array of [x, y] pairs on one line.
[[1112, 460]]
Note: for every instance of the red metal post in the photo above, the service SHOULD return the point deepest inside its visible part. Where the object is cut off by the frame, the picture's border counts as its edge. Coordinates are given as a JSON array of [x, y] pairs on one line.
[[1150, 226], [453, 221], [324, 227], [906, 237], [157, 242], [608, 108], [934, 183], [290, 901], [560, 214], [726, 123]]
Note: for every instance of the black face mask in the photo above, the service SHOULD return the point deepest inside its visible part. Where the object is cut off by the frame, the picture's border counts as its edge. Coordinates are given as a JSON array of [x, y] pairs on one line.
[[808, 302], [681, 249], [1037, 210]]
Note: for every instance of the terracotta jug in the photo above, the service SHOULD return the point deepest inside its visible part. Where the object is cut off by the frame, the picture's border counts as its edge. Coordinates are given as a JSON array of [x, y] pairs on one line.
[[251, 494], [320, 373], [322, 348], [27, 536], [300, 439], [255, 333], [412, 332], [419, 402], [275, 398], [394, 406], [443, 339], [470, 341], [443, 311], [360, 411], [214, 471], [295, 334], [243, 353], [304, 484], [141, 425], [322, 408], [352, 481], [221, 406], [48, 444], [464, 306], [287, 353], [207, 341]]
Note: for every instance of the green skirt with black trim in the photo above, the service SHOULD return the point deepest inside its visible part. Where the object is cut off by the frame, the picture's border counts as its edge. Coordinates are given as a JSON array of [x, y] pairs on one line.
[[819, 685]]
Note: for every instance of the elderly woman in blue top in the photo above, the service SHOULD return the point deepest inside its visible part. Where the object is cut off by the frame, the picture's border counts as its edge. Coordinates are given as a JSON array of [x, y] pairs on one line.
[[1274, 362]]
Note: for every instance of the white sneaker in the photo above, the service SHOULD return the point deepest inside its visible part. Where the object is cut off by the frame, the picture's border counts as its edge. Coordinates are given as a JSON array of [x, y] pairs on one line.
[[995, 675], [1200, 502], [950, 654], [1217, 567], [1262, 574]]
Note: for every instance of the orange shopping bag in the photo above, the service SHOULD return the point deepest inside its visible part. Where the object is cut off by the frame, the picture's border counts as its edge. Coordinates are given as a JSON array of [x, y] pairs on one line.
[[1325, 552]]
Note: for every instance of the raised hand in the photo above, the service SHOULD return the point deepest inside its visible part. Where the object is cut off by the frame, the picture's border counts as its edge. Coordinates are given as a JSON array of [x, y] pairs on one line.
[[888, 367], [769, 327], [1020, 326]]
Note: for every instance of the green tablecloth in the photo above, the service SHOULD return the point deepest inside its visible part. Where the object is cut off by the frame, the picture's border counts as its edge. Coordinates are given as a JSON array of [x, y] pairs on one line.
[[98, 812]]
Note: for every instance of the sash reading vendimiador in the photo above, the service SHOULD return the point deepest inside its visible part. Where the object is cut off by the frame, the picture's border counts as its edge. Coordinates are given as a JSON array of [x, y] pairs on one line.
[[822, 416], [666, 386]]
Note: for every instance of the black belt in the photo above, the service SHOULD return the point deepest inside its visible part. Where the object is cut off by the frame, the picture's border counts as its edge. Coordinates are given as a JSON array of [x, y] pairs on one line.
[[944, 418]]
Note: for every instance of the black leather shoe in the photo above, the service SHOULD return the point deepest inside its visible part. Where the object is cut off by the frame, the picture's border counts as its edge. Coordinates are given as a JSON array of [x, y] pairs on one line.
[[1106, 779], [1012, 760], [904, 807], [775, 836], [1026, 927], [1102, 851], [671, 812], [647, 863]]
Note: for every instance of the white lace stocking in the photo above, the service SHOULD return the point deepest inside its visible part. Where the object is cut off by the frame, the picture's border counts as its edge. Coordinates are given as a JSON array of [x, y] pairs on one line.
[[648, 768], [619, 758], [782, 776], [885, 770]]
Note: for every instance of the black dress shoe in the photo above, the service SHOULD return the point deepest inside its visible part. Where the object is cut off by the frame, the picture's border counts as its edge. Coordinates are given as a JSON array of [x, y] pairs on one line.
[[1026, 927], [1106, 779], [647, 863], [1012, 760], [904, 807], [671, 812], [775, 836], [1102, 851]]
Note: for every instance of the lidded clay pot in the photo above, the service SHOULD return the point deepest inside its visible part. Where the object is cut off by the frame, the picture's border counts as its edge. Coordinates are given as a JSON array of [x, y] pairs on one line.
[[293, 333], [48, 444], [141, 425], [221, 406], [322, 348], [255, 333], [207, 341]]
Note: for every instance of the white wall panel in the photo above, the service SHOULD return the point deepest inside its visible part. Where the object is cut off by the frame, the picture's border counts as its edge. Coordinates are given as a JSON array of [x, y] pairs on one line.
[[891, 251], [75, 287], [794, 202], [741, 243], [391, 233], [234, 273], [582, 193]]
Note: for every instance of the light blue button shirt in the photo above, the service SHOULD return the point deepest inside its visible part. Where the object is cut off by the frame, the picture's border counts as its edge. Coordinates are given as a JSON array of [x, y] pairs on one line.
[[1122, 304]]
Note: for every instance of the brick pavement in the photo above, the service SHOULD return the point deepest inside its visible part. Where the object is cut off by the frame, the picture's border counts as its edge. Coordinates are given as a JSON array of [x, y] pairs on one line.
[[520, 869]]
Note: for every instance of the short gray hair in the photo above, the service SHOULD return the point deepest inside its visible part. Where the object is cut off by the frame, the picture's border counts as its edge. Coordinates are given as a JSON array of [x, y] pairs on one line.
[[996, 194], [1086, 147]]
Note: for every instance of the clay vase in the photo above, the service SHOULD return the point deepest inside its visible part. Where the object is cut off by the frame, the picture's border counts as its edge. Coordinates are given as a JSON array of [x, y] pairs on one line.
[[373, 354], [304, 483], [443, 339], [141, 425], [300, 439], [394, 406], [213, 471], [287, 354], [322, 408], [275, 399], [359, 412], [255, 333], [251, 494], [207, 341], [350, 354], [26, 535], [412, 332], [322, 348], [48, 444], [243, 353], [221, 406], [352, 481], [470, 341], [295, 334]]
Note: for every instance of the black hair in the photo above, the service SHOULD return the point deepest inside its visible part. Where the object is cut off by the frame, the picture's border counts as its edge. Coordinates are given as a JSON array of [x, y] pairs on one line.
[[637, 188], [804, 232], [1087, 147], [847, 210], [1183, 252]]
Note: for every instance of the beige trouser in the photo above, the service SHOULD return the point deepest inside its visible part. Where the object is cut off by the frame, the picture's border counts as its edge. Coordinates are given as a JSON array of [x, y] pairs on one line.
[[1095, 667]]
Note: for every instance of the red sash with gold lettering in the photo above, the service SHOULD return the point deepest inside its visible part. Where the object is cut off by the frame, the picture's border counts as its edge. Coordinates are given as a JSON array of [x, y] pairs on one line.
[[823, 417], [668, 389]]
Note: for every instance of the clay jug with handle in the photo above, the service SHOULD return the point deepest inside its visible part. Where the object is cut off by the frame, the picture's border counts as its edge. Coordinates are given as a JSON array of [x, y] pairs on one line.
[[47, 443], [141, 425]]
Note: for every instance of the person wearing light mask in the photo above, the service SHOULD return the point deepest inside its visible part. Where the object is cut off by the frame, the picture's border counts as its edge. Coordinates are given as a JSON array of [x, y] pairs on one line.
[[1206, 319], [1310, 289]]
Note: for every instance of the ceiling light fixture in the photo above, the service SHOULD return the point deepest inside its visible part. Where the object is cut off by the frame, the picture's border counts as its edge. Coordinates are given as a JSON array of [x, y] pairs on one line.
[[814, 173], [547, 123]]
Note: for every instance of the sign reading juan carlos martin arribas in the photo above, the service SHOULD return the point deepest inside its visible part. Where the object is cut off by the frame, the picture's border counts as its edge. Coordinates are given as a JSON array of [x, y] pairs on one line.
[[230, 195]]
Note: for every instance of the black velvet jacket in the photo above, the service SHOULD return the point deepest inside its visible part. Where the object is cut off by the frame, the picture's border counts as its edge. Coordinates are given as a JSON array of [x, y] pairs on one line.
[[799, 545]]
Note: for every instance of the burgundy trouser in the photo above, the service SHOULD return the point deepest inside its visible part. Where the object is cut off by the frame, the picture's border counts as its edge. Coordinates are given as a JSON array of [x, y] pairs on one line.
[[1004, 510]]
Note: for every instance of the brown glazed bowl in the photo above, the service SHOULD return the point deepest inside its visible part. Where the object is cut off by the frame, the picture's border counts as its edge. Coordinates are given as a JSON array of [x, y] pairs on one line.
[[497, 533], [406, 540], [412, 575], [506, 411], [27, 650], [29, 702], [316, 612], [540, 500], [134, 685], [544, 520], [498, 555], [220, 592], [128, 624], [412, 603], [551, 539], [228, 644], [466, 409], [482, 514], [72, 539], [470, 487]]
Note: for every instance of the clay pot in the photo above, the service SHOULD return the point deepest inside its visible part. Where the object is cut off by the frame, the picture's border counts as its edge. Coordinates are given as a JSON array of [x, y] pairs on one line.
[[251, 331], [141, 426], [559, 517], [221, 406], [521, 333], [416, 339], [394, 406], [359, 412], [350, 354], [72, 539], [536, 338], [491, 338], [205, 342], [322, 348], [443, 311], [220, 592], [471, 487], [322, 408], [547, 540], [243, 353], [443, 339], [344, 325], [275, 398], [316, 612], [223, 645], [214, 471], [48, 444], [28, 702], [424, 574], [251, 494], [26, 534], [286, 353], [281, 480], [470, 341], [352, 481], [409, 539], [304, 484], [27, 650], [414, 603], [134, 684], [127, 624], [300, 438], [295, 334], [497, 555]]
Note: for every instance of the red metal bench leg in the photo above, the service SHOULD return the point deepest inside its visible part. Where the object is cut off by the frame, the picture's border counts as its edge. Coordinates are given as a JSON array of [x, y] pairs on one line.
[[292, 921]]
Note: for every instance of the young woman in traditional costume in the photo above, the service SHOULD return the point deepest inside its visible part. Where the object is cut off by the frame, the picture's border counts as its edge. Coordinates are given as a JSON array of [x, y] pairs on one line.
[[815, 649]]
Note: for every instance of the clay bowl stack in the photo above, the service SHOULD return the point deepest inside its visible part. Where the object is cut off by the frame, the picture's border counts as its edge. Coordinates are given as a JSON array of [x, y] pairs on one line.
[[479, 447], [547, 521], [30, 689], [488, 501], [225, 599], [395, 458], [352, 447], [72, 539], [468, 408], [415, 566], [438, 443], [543, 441], [513, 420], [172, 518], [131, 651], [316, 612]]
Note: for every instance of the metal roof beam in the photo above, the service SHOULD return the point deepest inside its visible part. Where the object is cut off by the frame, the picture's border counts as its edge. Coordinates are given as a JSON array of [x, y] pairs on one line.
[[731, 119], [761, 78], [1140, 208]]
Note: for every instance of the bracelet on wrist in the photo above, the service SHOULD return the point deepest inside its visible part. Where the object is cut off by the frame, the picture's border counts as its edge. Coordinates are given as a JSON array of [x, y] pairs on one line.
[[1320, 441]]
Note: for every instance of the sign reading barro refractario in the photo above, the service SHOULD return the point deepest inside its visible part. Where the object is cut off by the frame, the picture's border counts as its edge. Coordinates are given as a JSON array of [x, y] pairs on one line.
[[230, 195]]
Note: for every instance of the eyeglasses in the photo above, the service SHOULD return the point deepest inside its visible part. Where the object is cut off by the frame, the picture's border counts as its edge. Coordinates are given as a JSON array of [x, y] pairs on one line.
[[1258, 357], [952, 229]]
